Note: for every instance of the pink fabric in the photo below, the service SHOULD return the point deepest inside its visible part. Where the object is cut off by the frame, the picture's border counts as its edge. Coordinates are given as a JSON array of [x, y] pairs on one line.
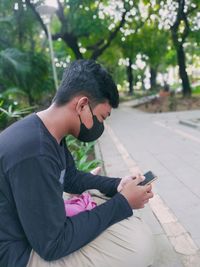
[[78, 204]]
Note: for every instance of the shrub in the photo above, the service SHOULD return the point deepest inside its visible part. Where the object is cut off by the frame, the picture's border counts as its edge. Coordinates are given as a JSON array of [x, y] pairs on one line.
[[83, 154]]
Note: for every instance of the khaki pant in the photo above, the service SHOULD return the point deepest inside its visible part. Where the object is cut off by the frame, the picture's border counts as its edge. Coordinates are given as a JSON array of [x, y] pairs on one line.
[[124, 244]]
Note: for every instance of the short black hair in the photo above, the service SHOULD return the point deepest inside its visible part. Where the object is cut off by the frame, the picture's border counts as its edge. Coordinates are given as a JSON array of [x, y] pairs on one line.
[[90, 79]]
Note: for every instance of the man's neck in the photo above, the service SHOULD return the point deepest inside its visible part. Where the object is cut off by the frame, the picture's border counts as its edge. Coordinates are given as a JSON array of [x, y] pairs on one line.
[[55, 120]]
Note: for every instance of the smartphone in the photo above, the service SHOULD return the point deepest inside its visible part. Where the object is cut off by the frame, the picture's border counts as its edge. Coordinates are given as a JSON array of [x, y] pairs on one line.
[[149, 178]]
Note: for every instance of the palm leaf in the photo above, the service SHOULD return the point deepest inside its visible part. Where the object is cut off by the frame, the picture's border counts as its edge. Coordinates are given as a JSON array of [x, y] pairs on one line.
[[14, 91], [14, 58]]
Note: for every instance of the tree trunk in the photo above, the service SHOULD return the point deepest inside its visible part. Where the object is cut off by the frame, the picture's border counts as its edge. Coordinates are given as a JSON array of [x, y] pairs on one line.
[[153, 74], [180, 30], [19, 23], [142, 80], [130, 76], [182, 71]]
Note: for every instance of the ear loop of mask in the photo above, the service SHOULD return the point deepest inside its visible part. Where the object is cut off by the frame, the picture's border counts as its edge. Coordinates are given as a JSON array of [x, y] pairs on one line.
[[90, 111]]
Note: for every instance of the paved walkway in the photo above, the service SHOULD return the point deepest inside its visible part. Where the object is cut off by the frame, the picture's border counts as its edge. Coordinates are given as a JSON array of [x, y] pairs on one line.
[[158, 142]]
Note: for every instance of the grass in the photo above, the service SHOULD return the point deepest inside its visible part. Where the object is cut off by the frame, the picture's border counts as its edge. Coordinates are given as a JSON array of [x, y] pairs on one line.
[[196, 90]]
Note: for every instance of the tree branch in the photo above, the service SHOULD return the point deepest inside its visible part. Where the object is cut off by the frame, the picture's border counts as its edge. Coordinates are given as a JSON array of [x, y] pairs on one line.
[[72, 42], [60, 14], [32, 7], [58, 35], [97, 52]]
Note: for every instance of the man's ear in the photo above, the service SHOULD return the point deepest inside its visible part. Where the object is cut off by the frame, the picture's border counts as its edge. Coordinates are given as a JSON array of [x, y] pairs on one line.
[[82, 103]]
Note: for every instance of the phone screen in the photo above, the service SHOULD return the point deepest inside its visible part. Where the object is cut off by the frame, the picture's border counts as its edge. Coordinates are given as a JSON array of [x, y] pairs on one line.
[[149, 178]]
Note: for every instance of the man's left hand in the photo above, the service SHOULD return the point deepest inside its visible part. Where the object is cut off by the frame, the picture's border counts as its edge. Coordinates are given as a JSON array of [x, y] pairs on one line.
[[135, 174]]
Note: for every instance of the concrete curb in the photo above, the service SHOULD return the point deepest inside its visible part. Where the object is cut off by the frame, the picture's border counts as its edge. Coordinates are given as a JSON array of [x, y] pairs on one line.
[[99, 156], [190, 124]]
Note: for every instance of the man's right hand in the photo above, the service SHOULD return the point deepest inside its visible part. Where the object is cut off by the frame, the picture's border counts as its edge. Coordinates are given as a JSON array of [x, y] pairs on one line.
[[137, 196]]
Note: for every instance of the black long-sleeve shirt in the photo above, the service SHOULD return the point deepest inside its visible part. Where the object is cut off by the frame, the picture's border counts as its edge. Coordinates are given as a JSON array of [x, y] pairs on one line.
[[34, 172]]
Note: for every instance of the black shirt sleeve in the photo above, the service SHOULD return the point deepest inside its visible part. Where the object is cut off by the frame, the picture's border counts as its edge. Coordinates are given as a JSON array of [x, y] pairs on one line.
[[39, 205], [77, 181]]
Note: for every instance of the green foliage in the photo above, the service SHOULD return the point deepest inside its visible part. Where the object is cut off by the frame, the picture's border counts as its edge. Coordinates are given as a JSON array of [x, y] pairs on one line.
[[3, 117], [25, 65], [80, 14], [26, 71], [170, 57], [82, 20], [37, 81], [14, 96], [13, 64], [196, 90], [153, 43], [14, 105], [83, 154], [11, 114]]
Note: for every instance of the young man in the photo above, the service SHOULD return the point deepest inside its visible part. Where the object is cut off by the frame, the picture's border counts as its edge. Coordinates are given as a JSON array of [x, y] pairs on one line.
[[36, 168]]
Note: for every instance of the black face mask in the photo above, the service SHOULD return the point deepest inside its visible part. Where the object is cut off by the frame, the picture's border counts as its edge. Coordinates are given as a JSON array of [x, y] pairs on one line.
[[92, 134]]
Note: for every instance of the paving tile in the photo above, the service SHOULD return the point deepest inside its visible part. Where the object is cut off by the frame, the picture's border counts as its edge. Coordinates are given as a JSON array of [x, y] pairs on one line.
[[165, 256], [191, 261], [197, 241], [184, 244]]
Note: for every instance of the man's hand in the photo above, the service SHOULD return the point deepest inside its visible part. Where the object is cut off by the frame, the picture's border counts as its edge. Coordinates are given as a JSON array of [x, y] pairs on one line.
[[136, 173], [96, 171], [137, 196]]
